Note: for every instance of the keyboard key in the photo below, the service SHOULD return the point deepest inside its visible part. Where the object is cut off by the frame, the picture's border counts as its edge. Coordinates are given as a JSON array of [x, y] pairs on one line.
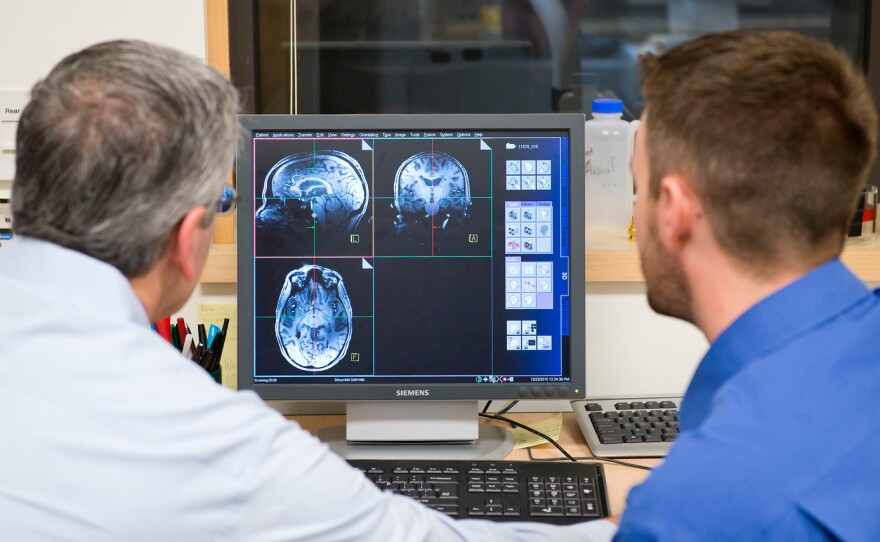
[[587, 492], [621, 406], [448, 509], [511, 511], [476, 511], [668, 404], [572, 510], [589, 508], [494, 510], [591, 407], [546, 511]]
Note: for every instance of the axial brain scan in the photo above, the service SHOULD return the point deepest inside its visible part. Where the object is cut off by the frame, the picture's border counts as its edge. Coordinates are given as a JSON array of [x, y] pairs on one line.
[[431, 188], [328, 187], [313, 318]]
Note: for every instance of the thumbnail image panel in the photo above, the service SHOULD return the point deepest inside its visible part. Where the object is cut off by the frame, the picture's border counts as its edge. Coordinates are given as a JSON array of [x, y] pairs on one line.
[[313, 317], [432, 198], [313, 197]]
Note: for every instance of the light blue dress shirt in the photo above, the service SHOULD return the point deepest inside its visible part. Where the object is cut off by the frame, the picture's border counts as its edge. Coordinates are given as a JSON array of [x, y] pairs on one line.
[[107, 433], [780, 435]]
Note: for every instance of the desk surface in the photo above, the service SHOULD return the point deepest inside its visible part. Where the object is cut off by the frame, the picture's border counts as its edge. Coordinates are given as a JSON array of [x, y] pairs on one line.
[[619, 478]]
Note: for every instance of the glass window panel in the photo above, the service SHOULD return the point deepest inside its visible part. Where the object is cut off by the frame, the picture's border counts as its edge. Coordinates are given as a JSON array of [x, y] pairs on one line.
[[496, 56]]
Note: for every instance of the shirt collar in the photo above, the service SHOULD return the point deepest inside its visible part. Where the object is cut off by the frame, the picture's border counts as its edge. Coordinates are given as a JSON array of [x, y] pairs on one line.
[[72, 278], [774, 321]]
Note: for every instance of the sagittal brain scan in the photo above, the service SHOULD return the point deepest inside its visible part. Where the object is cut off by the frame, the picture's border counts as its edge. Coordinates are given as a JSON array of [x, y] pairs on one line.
[[326, 188], [431, 189], [313, 318]]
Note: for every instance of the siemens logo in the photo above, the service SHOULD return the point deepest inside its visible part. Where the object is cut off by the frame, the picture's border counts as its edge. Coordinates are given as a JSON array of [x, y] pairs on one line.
[[412, 393]]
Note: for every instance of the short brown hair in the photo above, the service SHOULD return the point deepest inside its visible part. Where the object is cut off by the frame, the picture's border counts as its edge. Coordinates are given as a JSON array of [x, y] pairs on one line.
[[775, 131]]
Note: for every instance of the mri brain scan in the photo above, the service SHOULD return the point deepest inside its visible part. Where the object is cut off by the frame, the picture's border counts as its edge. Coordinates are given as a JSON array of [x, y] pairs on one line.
[[431, 189], [327, 188], [313, 318]]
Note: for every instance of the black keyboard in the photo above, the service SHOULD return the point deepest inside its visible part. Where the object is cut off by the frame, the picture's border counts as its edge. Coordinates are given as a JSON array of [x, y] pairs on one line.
[[628, 428], [559, 493]]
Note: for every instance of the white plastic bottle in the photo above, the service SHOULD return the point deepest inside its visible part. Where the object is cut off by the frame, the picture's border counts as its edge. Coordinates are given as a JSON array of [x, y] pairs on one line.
[[609, 186]]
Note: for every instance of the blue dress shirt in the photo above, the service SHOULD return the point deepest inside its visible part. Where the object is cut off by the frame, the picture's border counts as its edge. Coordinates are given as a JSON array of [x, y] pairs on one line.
[[780, 438]]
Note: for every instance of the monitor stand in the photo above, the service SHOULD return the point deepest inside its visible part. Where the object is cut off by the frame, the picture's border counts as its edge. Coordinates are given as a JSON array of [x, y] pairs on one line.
[[416, 430]]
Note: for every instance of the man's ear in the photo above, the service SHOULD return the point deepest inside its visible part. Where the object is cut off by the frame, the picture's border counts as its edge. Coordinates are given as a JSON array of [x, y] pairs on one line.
[[185, 243], [677, 210]]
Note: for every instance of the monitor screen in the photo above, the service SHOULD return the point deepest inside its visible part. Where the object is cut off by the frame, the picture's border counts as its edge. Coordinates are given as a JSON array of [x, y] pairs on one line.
[[386, 257]]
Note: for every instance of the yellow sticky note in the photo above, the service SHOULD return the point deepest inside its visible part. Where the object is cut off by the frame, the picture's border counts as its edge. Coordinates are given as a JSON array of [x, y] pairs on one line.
[[550, 427], [214, 313]]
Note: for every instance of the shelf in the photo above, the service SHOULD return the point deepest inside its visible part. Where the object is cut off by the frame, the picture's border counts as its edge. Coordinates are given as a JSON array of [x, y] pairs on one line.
[[610, 257], [221, 266]]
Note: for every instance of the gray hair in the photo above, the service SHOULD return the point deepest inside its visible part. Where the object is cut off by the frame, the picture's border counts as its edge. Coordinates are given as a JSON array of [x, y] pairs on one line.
[[117, 144]]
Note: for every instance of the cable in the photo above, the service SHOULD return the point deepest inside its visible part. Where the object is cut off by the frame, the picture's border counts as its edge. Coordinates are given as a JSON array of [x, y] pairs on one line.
[[527, 428], [557, 445], [503, 410], [506, 409]]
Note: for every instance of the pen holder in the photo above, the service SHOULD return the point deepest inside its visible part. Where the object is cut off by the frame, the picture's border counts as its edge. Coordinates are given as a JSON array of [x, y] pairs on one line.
[[217, 375]]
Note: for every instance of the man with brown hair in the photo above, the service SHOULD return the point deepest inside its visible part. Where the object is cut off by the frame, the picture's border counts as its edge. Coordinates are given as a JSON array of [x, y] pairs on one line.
[[751, 153]]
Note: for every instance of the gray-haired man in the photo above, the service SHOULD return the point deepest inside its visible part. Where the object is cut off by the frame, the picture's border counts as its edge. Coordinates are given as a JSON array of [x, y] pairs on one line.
[[107, 433]]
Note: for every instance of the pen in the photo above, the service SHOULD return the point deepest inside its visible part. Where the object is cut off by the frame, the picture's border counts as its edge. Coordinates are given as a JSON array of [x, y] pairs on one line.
[[192, 342], [187, 345], [219, 341], [212, 332], [163, 326], [181, 331], [197, 353], [207, 359]]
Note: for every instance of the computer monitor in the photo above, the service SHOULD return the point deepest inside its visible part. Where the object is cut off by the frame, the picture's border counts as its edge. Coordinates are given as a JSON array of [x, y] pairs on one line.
[[411, 265]]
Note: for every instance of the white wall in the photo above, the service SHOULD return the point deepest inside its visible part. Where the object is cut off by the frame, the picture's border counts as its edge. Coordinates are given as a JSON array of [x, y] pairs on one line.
[[630, 350], [633, 351], [36, 34]]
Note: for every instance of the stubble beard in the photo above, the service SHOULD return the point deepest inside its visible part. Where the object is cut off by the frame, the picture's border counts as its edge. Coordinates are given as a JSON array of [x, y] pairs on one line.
[[667, 288]]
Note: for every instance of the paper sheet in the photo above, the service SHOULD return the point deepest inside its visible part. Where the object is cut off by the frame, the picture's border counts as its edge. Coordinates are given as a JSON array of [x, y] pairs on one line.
[[214, 313], [550, 427]]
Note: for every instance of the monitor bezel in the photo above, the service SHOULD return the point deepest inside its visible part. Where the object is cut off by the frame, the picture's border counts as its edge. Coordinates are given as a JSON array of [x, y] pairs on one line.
[[573, 123]]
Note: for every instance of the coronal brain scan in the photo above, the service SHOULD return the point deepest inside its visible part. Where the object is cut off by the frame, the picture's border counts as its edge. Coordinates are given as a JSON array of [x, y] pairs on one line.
[[326, 188], [431, 189], [313, 318]]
